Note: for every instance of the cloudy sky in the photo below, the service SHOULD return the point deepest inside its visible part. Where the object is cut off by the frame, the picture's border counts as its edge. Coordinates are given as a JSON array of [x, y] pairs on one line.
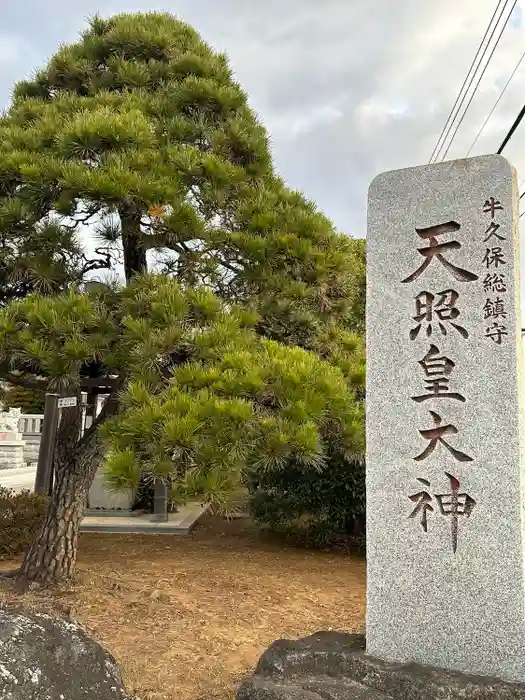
[[347, 88]]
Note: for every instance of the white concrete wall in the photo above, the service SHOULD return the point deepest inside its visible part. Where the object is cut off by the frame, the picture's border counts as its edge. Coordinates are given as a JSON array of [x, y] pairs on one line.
[[30, 425], [99, 497]]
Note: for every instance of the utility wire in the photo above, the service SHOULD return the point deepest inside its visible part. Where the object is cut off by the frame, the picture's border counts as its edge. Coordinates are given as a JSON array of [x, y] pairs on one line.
[[480, 77], [512, 130], [451, 114], [518, 64]]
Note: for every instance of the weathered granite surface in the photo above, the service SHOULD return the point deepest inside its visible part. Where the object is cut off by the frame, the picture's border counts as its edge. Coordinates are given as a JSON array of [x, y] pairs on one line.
[[444, 441], [11, 453], [334, 666], [49, 658]]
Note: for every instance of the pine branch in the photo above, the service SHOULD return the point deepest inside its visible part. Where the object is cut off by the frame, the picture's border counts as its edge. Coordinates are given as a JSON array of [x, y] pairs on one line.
[[96, 263], [25, 382]]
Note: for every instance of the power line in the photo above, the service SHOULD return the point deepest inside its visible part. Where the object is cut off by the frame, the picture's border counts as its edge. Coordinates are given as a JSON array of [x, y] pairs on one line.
[[496, 104], [480, 77], [451, 114], [512, 130]]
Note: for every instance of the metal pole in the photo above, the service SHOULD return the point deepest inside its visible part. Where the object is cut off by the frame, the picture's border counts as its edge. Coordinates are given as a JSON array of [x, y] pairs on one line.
[[160, 502], [44, 469], [512, 130]]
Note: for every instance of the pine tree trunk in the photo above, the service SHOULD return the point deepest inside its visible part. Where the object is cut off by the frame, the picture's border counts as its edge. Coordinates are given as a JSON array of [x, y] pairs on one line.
[[52, 557], [135, 261]]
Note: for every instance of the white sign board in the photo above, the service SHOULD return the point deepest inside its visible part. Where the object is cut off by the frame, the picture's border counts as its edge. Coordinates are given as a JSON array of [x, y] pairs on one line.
[[67, 402]]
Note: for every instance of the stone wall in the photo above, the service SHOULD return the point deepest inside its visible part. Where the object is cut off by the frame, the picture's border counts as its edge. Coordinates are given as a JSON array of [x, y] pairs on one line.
[[30, 427]]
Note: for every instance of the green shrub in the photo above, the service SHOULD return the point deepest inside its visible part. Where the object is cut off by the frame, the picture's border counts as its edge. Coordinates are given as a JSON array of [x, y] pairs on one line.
[[29, 400], [322, 508], [21, 515]]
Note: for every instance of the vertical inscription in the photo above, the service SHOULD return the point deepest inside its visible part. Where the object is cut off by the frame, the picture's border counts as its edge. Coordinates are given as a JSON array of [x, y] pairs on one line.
[[439, 312], [494, 283]]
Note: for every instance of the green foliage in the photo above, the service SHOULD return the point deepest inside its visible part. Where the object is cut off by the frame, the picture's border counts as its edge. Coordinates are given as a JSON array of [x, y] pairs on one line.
[[138, 331], [41, 257], [322, 507], [242, 404], [21, 515], [247, 355], [139, 121], [29, 400], [141, 129]]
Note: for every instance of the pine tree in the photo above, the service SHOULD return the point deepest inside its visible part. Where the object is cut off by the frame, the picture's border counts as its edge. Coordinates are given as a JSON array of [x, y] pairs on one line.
[[239, 404], [140, 132], [203, 398], [137, 331]]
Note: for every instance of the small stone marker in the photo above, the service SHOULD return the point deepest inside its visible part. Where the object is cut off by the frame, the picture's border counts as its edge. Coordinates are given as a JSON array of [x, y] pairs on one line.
[[445, 485]]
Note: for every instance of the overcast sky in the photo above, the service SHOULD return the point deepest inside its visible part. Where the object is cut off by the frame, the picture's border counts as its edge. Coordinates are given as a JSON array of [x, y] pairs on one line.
[[346, 88]]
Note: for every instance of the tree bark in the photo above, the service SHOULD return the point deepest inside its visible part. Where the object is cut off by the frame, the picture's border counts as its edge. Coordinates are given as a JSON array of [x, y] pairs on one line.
[[51, 559], [135, 262]]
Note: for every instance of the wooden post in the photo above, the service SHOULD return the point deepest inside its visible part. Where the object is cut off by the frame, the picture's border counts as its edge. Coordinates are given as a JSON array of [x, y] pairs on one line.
[[44, 470]]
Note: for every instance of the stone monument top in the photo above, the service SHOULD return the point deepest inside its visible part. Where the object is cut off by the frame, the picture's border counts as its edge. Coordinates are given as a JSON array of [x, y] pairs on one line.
[[445, 482]]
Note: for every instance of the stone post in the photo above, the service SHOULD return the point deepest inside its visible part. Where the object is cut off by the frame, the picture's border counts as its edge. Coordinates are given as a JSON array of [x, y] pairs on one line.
[[445, 478]]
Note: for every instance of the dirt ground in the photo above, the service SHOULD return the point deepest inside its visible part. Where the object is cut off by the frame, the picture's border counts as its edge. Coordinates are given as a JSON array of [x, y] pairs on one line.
[[188, 616]]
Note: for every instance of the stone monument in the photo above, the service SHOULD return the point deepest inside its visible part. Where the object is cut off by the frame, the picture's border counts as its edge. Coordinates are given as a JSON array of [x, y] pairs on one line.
[[445, 482], [11, 440], [446, 594]]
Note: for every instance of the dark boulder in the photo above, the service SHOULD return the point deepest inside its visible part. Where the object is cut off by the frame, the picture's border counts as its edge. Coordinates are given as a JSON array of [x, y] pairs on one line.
[[335, 666], [50, 658]]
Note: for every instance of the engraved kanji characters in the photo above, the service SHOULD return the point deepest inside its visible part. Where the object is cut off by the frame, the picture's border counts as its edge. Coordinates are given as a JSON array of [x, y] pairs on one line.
[[437, 250], [494, 256], [452, 504], [494, 308], [495, 282], [493, 231], [436, 435], [443, 309], [435, 312], [491, 205], [496, 332], [437, 368]]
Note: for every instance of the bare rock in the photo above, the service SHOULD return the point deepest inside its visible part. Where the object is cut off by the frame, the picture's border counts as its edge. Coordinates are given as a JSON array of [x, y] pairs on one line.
[[49, 658], [335, 666]]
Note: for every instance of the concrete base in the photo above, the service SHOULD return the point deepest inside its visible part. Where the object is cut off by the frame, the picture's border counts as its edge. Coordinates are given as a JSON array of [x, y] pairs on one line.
[[178, 523], [335, 666], [12, 454], [102, 498], [31, 448], [100, 513], [20, 479]]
